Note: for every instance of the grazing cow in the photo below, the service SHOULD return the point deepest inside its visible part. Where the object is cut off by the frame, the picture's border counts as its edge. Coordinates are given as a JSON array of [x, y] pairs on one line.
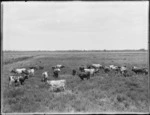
[[145, 71], [97, 66], [123, 70], [58, 66], [56, 72], [31, 72], [83, 75], [21, 79], [44, 76], [106, 69], [91, 71], [17, 79], [19, 71], [81, 68], [116, 68], [13, 79], [138, 70], [73, 72], [57, 85], [89, 66]]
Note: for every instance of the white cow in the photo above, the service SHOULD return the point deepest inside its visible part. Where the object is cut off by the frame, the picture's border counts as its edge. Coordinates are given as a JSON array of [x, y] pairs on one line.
[[115, 68], [91, 71], [19, 70], [123, 69], [44, 76], [97, 65], [58, 66], [57, 84], [31, 71]]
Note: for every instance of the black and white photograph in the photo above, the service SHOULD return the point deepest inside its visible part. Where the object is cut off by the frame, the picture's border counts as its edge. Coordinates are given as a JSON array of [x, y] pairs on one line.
[[75, 57]]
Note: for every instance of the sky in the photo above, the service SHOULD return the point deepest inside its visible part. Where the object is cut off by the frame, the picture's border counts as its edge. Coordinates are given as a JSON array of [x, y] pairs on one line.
[[75, 25]]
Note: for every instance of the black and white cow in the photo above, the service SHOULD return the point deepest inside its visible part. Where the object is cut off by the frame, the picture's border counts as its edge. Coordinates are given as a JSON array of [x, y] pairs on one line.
[[139, 70], [17, 79], [56, 72], [44, 76]]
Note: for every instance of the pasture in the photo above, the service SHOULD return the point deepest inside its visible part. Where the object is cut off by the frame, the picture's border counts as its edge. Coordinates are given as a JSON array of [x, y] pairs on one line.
[[102, 93]]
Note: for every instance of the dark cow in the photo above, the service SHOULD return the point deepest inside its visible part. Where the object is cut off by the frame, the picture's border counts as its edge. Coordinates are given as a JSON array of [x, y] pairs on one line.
[[81, 68], [56, 72], [89, 66], [22, 79], [83, 75], [73, 72], [138, 70], [106, 69], [145, 70]]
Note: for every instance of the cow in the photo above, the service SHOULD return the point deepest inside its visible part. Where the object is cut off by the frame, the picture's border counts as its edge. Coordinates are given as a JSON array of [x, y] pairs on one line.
[[44, 76], [97, 66], [21, 79], [73, 72], [83, 75], [13, 79], [56, 72], [139, 70], [17, 79], [59, 66], [123, 70], [106, 69], [30, 72], [91, 71], [57, 85], [89, 66], [145, 71], [19, 70], [81, 68], [115, 68]]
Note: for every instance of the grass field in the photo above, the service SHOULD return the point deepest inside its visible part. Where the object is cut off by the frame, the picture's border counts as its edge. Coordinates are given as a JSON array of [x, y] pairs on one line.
[[102, 93]]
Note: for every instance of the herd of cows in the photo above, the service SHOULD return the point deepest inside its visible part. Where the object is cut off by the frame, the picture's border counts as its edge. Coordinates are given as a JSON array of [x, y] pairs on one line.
[[84, 71]]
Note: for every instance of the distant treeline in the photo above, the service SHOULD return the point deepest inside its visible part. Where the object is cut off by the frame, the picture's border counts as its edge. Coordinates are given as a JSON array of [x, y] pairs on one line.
[[79, 50]]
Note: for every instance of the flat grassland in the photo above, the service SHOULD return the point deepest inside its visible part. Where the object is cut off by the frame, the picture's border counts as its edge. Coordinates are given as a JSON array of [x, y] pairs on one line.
[[102, 93]]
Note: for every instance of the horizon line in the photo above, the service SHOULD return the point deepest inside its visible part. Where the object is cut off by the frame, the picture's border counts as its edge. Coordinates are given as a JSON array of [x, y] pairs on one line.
[[142, 49]]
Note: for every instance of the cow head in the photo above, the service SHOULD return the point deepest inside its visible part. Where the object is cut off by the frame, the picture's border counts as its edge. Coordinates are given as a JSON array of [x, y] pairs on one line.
[[13, 71], [62, 66]]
